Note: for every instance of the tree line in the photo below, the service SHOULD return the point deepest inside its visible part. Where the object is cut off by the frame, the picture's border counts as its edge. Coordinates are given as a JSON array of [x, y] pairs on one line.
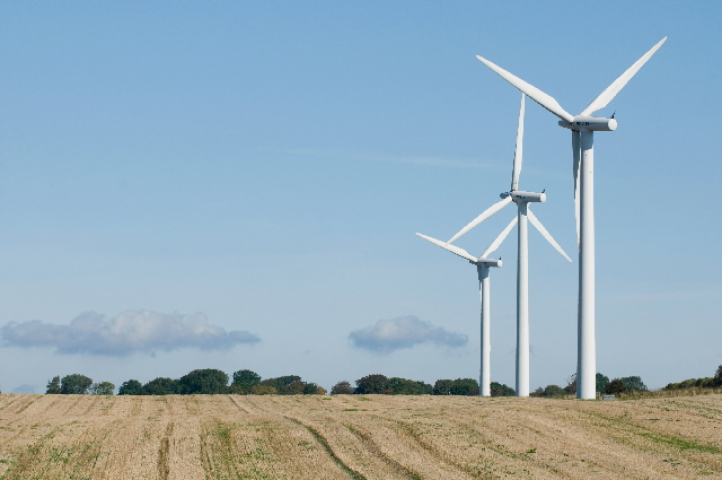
[[248, 382], [211, 381], [704, 382], [603, 385], [380, 384], [206, 381]]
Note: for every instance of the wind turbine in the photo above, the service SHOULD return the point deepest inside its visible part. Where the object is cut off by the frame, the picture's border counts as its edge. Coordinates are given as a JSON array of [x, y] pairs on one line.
[[583, 127], [522, 200], [482, 267]]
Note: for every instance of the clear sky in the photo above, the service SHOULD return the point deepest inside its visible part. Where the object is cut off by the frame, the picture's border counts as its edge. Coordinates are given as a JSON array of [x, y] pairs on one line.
[[237, 185]]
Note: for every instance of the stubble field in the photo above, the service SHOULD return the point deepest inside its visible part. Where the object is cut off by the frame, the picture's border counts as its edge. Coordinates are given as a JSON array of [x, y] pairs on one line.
[[356, 437]]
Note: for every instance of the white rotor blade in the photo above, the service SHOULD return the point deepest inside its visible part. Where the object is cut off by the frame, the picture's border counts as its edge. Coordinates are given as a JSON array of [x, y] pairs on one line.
[[577, 153], [535, 221], [452, 248], [612, 90], [519, 151], [487, 213], [537, 95], [496, 243]]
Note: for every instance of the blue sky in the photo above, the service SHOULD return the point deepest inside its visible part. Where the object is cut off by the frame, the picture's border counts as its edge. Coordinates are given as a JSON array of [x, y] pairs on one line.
[[250, 176]]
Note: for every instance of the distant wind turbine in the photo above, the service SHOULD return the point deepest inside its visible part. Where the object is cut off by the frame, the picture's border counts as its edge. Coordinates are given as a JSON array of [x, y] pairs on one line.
[[583, 127], [482, 267], [522, 199]]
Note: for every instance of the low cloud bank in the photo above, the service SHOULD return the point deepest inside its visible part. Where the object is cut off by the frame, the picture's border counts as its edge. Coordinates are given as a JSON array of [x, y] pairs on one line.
[[385, 336], [133, 331]]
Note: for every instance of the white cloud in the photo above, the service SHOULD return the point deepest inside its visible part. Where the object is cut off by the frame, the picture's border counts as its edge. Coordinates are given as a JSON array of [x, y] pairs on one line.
[[404, 332], [130, 332]]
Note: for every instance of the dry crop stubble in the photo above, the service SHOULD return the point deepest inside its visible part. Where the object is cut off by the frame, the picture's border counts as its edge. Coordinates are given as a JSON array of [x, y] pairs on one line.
[[358, 437]]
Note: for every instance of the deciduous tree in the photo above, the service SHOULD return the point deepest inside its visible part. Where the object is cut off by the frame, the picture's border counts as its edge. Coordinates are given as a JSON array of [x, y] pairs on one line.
[[131, 387], [281, 384], [243, 380], [501, 390], [443, 387], [404, 386], [75, 384], [53, 386], [634, 383], [262, 389], [162, 386], [602, 381], [615, 387], [342, 388], [102, 388], [372, 384], [204, 381], [718, 377]]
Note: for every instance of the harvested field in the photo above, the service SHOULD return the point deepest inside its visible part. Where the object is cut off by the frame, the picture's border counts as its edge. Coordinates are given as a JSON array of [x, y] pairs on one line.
[[357, 437]]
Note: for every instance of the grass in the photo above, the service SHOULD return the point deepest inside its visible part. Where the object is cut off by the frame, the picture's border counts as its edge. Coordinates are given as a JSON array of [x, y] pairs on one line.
[[681, 444]]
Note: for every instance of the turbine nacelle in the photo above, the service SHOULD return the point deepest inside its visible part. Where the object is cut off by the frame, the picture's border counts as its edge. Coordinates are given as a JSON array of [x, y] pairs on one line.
[[487, 262], [585, 123], [521, 196]]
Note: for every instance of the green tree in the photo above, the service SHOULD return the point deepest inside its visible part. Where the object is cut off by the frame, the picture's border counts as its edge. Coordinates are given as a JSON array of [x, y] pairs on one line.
[[53, 386], [571, 387], [554, 391], [633, 383], [75, 384], [602, 381], [718, 377], [282, 384], [404, 386], [207, 381], [295, 388], [102, 388], [372, 384], [243, 380], [162, 386], [549, 391], [342, 388], [131, 387], [443, 387], [262, 389], [501, 390], [464, 386], [615, 387], [310, 388]]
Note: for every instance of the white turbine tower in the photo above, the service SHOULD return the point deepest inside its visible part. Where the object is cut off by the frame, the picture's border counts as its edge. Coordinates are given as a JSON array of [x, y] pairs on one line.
[[583, 127], [482, 267], [522, 199]]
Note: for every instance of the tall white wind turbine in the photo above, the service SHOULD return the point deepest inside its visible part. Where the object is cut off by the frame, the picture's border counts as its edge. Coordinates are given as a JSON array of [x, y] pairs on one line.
[[482, 267], [583, 127], [522, 200]]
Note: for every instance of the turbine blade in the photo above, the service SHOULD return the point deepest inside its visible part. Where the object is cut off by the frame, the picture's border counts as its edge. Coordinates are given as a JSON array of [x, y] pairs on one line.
[[612, 90], [577, 154], [452, 248], [535, 221], [502, 236], [486, 214], [519, 151], [537, 95]]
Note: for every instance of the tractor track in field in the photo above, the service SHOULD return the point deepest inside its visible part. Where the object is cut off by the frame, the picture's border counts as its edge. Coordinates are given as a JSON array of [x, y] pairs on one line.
[[353, 474]]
